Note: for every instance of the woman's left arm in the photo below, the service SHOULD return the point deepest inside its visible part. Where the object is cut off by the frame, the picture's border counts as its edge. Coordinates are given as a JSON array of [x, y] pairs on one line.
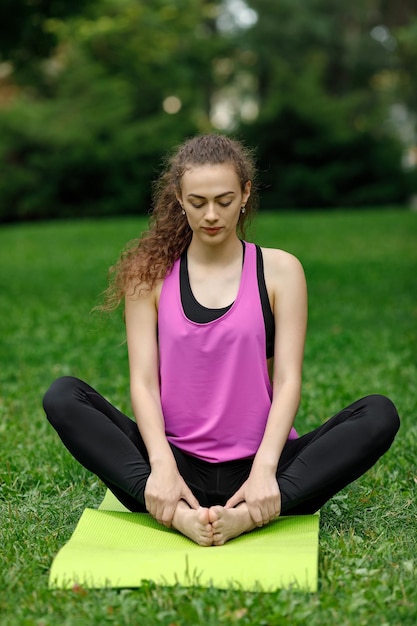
[[286, 286]]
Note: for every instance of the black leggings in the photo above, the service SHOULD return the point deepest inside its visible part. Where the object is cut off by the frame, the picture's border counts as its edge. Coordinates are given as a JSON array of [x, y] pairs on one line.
[[310, 471]]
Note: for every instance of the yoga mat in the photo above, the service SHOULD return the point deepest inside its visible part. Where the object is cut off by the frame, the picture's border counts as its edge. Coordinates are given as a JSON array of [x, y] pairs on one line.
[[112, 547]]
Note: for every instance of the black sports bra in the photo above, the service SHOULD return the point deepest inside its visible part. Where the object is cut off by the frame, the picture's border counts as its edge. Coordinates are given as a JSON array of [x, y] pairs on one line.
[[200, 314]]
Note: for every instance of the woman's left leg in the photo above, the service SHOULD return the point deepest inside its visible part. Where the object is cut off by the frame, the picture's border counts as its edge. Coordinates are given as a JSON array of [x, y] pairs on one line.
[[319, 464]]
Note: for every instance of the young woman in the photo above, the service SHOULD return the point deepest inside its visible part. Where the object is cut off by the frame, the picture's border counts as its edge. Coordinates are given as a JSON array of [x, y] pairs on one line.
[[215, 333]]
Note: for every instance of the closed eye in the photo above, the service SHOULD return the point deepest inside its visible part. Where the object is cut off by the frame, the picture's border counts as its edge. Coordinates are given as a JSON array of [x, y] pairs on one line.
[[223, 200], [222, 204]]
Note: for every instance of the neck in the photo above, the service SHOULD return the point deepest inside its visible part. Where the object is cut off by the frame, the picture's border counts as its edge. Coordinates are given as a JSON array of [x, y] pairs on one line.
[[222, 254]]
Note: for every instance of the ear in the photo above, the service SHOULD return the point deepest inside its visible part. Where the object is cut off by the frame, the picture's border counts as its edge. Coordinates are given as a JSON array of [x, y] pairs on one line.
[[246, 191], [179, 199]]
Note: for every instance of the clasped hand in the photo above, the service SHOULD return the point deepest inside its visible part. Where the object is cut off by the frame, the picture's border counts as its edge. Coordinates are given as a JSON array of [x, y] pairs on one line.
[[262, 496], [163, 491]]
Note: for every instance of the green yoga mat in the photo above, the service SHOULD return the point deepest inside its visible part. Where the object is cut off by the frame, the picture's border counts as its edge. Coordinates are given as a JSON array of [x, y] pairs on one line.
[[112, 547]]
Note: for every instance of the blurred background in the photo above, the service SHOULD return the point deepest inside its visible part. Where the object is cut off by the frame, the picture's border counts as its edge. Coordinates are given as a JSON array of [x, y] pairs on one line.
[[94, 93]]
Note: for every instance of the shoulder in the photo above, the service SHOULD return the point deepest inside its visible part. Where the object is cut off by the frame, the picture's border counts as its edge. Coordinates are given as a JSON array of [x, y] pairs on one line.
[[282, 264], [284, 278], [143, 296], [140, 290]]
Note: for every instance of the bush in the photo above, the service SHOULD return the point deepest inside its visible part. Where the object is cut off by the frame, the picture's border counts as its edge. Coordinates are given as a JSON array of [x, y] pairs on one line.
[[310, 159], [83, 152]]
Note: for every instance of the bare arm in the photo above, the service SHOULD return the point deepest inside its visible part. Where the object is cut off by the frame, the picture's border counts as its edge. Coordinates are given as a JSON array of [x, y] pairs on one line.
[[165, 487], [286, 284]]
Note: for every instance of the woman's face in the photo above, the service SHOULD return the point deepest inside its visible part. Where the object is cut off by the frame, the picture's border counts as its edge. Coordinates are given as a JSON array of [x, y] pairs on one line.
[[211, 197]]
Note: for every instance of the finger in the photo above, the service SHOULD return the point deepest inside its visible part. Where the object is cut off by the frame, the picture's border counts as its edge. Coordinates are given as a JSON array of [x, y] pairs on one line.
[[155, 509], [149, 504], [236, 499], [277, 507], [159, 512], [190, 499], [270, 512], [256, 515], [167, 516], [272, 509]]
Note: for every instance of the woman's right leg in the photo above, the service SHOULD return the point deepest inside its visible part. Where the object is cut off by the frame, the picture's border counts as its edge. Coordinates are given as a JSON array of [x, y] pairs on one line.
[[101, 438]]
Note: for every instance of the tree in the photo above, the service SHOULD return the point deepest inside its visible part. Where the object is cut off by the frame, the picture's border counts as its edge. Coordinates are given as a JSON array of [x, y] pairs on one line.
[[322, 129], [25, 38], [93, 93], [89, 138]]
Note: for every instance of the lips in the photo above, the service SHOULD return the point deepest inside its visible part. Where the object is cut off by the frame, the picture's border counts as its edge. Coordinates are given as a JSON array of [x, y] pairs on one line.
[[213, 230]]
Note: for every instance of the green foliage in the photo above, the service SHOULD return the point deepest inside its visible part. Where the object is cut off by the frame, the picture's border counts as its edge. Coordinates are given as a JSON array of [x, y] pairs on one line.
[[407, 41], [320, 160], [322, 131], [84, 130], [91, 141], [24, 38], [360, 268], [84, 152]]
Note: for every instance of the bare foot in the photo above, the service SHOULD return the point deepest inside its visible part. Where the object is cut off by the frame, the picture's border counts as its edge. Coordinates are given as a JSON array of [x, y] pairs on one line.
[[193, 523], [229, 523]]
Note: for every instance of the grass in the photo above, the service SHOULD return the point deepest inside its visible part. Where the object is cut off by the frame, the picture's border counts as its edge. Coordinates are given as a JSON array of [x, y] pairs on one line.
[[361, 269]]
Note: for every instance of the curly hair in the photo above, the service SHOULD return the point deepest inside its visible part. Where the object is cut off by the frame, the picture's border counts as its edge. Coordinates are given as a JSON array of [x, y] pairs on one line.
[[148, 259]]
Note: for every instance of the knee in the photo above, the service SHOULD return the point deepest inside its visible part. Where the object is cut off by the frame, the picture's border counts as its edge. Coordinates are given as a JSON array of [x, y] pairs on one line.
[[386, 421], [57, 399]]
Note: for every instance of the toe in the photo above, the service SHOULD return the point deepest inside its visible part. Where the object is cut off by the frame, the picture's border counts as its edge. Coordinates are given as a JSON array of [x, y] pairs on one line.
[[215, 513]]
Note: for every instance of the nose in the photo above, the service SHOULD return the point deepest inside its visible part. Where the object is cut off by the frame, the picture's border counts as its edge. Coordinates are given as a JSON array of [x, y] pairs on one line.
[[211, 212]]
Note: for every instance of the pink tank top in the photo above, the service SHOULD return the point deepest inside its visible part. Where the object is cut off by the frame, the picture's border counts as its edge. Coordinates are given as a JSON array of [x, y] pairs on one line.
[[215, 389]]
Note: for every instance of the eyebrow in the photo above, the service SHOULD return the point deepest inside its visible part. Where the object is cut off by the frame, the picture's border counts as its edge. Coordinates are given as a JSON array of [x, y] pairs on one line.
[[194, 195]]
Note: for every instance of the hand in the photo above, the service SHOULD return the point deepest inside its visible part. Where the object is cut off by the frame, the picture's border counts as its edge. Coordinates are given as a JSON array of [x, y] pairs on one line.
[[164, 489], [262, 496]]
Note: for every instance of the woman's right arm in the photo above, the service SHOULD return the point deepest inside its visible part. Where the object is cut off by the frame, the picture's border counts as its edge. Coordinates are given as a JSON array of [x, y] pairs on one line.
[[165, 486]]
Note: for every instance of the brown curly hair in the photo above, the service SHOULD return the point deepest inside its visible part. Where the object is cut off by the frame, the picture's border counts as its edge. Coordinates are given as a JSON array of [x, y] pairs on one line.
[[149, 258]]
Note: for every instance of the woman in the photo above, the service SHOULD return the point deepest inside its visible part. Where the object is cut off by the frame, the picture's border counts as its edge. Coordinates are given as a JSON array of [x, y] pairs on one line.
[[213, 452]]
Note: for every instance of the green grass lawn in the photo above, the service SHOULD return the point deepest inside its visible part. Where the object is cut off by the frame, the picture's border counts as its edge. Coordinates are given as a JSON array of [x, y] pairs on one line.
[[361, 269]]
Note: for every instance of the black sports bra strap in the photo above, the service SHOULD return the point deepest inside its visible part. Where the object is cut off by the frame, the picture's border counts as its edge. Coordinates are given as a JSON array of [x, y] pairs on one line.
[[202, 315], [266, 305]]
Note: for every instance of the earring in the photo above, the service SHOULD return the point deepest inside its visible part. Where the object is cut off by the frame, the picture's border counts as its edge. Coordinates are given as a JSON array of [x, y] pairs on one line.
[[242, 209], [183, 212]]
